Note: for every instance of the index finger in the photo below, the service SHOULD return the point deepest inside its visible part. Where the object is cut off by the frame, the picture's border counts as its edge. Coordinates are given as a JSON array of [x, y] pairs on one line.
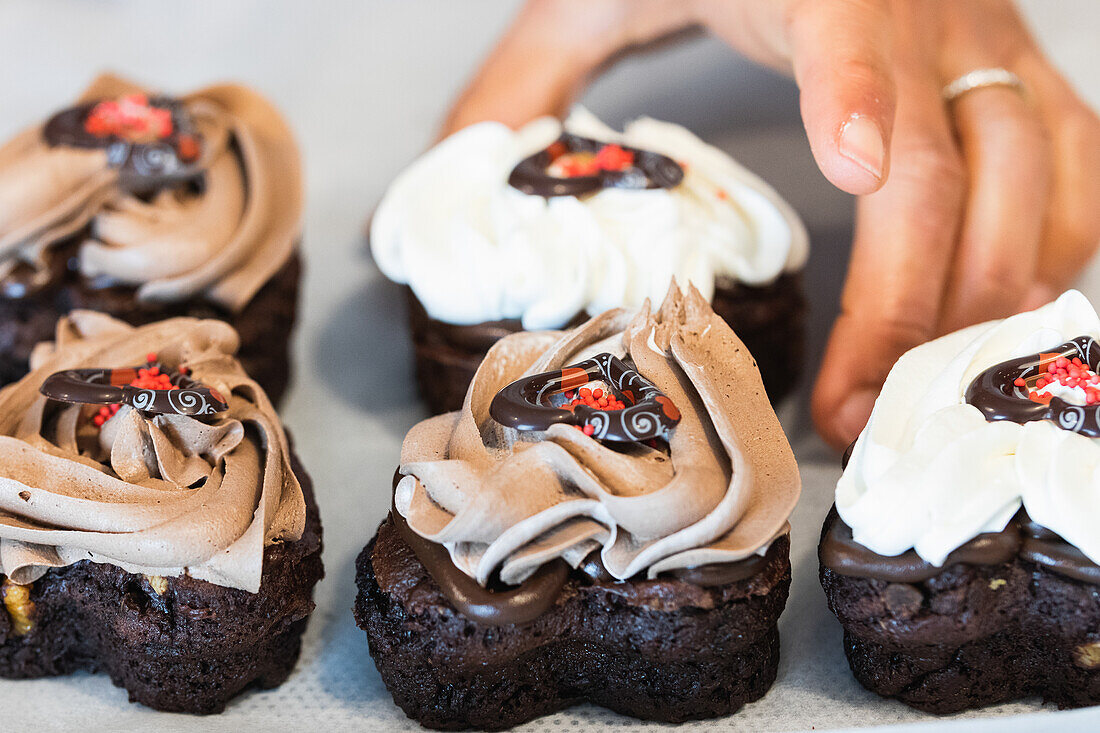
[[904, 245]]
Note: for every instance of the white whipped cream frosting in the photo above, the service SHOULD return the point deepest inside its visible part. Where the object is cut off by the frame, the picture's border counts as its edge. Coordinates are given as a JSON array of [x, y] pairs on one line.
[[474, 249], [930, 473]]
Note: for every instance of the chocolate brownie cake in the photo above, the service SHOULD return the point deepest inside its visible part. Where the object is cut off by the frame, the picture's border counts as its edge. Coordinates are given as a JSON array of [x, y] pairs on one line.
[[147, 207], [961, 556], [155, 524], [605, 520], [496, 231]]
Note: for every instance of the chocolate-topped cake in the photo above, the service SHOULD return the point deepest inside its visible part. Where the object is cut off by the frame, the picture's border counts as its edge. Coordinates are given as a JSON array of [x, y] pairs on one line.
[[496, 231], [145, 207], [962, 556], [605, 520], [155, 524]]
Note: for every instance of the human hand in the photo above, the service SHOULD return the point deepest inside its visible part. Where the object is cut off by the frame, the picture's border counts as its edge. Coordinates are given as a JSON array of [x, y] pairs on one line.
[[968, 211]]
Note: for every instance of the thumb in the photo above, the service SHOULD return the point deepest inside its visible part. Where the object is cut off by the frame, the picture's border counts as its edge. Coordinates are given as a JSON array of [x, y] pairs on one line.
[[551, 51], [840, 53]]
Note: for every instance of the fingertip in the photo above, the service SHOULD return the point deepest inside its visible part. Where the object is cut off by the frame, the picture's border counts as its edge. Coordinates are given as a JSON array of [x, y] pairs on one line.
[[840, 421], [853, 154], [852, 416], [842, 61]]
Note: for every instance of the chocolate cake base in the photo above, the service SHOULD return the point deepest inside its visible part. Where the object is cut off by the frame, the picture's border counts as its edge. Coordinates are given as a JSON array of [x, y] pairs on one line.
[[971, 636], [770, 320], [190, 648], [660, 650], [264, 324]]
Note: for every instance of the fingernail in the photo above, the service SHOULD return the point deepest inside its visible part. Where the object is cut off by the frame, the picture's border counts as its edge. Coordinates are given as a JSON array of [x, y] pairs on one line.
[[861, 142], [853, 413]]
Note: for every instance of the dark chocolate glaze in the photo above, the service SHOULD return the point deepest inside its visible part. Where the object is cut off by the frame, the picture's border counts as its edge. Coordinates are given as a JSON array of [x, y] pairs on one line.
[[142, 167], [1021, 537], [841, 553], [722, 573], [847, 455], [996, 395], [1046, 548], [527, 601], [535, 595], [704, 576], [650, 170]]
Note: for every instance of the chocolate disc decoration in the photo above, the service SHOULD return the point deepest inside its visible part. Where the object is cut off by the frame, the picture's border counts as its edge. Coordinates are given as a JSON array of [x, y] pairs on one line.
[[537, 402], [184, 396], [150, 140], [575, 165], [1011, 390]]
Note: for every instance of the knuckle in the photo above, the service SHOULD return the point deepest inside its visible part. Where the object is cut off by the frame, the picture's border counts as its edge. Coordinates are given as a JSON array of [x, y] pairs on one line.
[[1083, 125], [898, 323], [861, 72], [904, 327], [1076, 215], [926, 158], [931, 178], [1005, 121], [996, 287], [1000, 276], [1078, 234]]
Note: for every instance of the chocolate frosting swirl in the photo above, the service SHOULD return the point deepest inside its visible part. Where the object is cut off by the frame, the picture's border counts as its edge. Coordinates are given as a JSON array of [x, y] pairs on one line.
[[218, 230], [156, 494], [505, 503]]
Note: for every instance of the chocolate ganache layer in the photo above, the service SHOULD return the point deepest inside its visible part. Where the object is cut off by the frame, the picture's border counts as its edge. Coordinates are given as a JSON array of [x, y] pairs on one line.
[[506, 504], [195, 197], [498, 605], [1020, 538]]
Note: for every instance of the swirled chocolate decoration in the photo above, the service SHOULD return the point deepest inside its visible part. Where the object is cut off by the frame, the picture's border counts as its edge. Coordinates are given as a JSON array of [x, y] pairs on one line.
[[999, 395], [536, 403], [638, 169], [113, 386], [143, 166], [1020, 538]]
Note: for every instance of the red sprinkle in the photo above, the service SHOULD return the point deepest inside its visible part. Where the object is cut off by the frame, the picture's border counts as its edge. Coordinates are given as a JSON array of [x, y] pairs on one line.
[[1072, 373], [130, 118], [613, 158], [597, 399], [188, 148], [148, 378]]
